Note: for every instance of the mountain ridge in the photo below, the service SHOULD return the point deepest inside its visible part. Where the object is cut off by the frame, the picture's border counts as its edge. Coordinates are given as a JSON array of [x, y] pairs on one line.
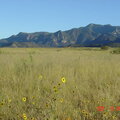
[[90, 35]]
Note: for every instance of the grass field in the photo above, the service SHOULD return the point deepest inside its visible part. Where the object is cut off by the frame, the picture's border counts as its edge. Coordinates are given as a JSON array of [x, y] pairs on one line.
[[59, 84]]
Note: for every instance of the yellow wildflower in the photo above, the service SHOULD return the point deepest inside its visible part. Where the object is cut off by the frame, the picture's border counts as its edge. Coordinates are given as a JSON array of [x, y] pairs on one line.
[[24, 116], [63, 79], [76, 87], [103, 100], [2, 103], [40, 77], [105, 114], [61, 100], [9, 100], [33, 97], [54, 99], [33, 103], [24, 99], [55, 89], [86, 114], [83, 111], [114, 117], [107, 85]]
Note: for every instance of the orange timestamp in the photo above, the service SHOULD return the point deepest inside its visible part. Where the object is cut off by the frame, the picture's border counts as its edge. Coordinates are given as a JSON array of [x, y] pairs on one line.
[[111, 108]]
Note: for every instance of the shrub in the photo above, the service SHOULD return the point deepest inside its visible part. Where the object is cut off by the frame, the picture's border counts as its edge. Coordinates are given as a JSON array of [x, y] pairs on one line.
[[105, 47], [116, 51]]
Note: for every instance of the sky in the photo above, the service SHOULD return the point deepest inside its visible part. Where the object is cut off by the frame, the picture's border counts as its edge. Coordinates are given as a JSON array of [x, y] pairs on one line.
[[53, 15]]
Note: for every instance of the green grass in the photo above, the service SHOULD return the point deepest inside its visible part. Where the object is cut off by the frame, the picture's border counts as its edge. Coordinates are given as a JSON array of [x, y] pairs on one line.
[[92, 79]]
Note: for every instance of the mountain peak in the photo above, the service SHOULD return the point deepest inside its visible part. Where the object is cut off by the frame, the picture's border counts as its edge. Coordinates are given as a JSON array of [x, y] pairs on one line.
[[22, 33], [92, 25], [59, 31]]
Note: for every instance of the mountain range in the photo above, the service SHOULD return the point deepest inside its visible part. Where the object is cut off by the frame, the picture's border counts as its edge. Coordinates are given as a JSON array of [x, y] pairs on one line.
[[92, 35]]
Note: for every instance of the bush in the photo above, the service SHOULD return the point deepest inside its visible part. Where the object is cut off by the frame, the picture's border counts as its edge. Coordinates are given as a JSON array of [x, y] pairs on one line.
[[105, 47], [117, 51]]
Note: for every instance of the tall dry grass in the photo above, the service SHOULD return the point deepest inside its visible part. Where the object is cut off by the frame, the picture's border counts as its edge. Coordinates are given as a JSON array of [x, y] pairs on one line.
[[31, 87]]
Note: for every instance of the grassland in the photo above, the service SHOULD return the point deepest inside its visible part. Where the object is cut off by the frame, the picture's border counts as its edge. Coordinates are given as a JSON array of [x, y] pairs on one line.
[[31, 86]]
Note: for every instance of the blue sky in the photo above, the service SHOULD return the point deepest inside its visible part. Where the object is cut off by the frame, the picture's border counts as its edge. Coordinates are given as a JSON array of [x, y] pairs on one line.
[[53, 15]]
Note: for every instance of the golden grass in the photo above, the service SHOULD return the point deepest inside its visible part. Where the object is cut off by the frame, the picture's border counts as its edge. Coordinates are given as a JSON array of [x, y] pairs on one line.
[[32, 88]]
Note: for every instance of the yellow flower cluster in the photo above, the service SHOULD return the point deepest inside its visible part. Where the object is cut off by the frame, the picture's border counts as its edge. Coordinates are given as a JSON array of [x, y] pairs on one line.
[[85, 113]]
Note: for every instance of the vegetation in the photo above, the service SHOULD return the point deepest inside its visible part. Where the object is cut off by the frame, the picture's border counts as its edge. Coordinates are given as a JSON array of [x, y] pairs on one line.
[[116, 51], [105, 47], [59, 84]]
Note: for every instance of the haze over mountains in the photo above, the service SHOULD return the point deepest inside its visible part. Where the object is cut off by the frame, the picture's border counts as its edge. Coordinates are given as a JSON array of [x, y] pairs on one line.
[[92, 35]]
